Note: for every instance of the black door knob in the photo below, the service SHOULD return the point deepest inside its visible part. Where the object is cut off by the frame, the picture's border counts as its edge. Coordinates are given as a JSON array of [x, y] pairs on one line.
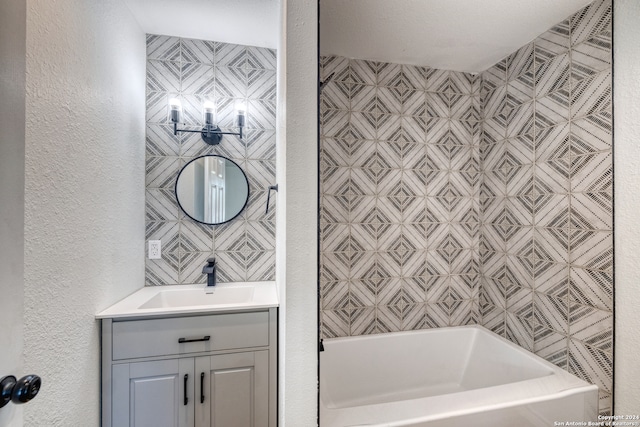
[[26, 388], [6, 388]]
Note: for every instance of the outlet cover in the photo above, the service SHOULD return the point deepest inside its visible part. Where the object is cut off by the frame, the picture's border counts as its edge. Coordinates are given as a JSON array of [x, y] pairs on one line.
[[155, 249]]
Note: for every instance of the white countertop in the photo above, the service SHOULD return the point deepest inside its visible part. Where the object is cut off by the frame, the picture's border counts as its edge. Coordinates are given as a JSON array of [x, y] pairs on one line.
[[264, 295]]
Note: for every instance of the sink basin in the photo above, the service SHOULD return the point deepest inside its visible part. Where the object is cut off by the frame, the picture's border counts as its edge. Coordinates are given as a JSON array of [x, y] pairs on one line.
[[200, 297], [153, 301]]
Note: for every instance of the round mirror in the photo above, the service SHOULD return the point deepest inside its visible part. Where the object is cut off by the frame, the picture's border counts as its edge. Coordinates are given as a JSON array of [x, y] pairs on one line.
[[212, 189]]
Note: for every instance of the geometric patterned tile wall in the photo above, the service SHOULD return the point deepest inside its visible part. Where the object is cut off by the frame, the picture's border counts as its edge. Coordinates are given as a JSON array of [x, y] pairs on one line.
[[546, 251], [399, 197], [194, 71]]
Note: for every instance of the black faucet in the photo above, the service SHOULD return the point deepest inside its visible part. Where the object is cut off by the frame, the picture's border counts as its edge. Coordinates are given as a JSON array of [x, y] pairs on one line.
[[210, 271]]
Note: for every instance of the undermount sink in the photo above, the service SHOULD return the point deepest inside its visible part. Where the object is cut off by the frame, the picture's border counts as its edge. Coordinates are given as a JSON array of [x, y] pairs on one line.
[[200, 297]]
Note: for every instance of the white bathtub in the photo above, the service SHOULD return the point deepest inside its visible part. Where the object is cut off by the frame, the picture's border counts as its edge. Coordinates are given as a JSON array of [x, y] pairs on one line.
[[448, 377]]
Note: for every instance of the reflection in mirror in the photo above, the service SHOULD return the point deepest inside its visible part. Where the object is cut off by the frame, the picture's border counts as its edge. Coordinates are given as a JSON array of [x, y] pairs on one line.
[[212, 189]]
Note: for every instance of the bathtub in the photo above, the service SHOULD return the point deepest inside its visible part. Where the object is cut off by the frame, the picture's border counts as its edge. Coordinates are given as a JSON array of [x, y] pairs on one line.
[[448, 377]]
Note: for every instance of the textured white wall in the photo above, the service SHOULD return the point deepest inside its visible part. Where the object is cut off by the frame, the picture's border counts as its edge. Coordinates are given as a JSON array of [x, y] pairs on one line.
[[626, 33], [13, 20], [84, 194], [297, 240]]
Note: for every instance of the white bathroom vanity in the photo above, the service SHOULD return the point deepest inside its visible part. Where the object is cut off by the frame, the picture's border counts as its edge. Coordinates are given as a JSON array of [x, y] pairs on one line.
[[191, 356]]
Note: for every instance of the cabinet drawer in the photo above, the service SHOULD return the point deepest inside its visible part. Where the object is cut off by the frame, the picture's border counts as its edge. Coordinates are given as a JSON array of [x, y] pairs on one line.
[[159, 337]]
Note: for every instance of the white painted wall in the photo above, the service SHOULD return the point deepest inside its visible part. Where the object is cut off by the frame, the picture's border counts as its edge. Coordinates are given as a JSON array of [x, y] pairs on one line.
[[626, 97], [13, 20], [84, 194], [296, 245], [245, 22]]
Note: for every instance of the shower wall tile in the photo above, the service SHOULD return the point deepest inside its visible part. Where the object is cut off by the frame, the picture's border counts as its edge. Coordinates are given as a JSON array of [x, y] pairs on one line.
[[555, 223], [451, 199], [399, 183], [194, 71]]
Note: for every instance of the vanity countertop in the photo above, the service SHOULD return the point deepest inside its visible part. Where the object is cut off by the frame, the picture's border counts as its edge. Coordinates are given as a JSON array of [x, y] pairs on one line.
[[153, 301]]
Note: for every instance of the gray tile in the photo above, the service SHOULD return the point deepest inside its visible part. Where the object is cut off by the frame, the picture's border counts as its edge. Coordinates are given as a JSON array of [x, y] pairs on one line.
[[160, 141], [262, 267], [591, 20], [197, 51], [334, 323], [191, 264], [591, 326], [231, 266], [161, 172], [157, 107], [551, 346], [591, 364], [230, 55], [195, 237], [159, 272], [163, 47], [553, 42], [592, 95], [163, 76], [591, 288], [197, 79], [261, 58], [161, 205]]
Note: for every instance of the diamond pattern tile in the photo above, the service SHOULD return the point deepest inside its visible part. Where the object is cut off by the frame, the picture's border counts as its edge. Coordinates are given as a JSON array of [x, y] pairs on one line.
[[590, 21], [160, 205], [334, 323], [191, 267], [157, 107], [261, 58], [160, 141], [161, 172], [591, 57], [163, 47], [163, 76], [591, 364], [592, 95], [514, 233], [551, 346], [519, 331], [230, 55], [197, 51], [163, 271], [193, 70], [553, 42], [195, 237], [520, 62], [552, 75], [197, 79]]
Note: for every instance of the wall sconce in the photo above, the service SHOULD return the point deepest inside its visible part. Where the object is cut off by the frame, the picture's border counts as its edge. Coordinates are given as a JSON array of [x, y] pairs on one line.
[[211, 133]]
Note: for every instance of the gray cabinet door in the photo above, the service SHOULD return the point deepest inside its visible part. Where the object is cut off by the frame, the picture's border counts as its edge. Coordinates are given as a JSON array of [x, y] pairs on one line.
[[232, 390], [152, 394]]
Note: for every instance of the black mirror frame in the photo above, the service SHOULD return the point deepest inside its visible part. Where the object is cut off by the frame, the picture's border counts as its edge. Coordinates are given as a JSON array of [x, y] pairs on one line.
[[175, 191]]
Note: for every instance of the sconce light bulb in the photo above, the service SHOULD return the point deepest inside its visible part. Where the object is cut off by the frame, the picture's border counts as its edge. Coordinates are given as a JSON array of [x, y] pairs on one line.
[[241, 108], [209, 109], [175, 109], [175, 104]]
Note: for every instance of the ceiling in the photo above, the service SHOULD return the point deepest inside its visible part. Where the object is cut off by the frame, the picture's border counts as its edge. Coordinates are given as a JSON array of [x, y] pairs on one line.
[[460, 35], [246, 22]]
